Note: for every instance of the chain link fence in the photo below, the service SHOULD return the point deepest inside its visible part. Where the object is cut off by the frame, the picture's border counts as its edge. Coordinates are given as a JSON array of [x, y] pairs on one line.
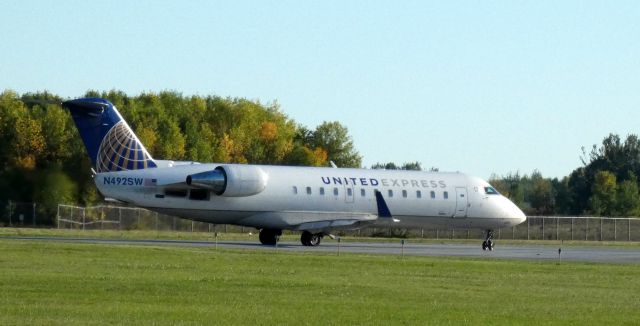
[[20, 214], [121, 218], [535, 228]]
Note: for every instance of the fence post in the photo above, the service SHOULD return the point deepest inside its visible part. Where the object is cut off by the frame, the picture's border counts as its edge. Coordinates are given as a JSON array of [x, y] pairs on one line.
[[615, 231], [156, 221], [629, 229], [58, 216], [513, 233], [10, 212], [528, 224], [601, 228], [83, 219], [34, 215], [586, 229], [557, 228], [119, 218], [572, 229]]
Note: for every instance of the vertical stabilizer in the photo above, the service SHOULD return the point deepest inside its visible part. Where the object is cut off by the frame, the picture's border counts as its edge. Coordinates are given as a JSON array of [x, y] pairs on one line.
[[109, 140]]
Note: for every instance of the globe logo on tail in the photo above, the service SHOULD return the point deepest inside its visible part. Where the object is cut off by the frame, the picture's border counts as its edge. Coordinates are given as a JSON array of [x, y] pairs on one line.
[[121, 150]]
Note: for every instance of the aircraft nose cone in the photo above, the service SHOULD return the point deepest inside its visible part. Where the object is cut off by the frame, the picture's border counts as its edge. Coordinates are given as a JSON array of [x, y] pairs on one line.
[[514, 213], [520, 215]]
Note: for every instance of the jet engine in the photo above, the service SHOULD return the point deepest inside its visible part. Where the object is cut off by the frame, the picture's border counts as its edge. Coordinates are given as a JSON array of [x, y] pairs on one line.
[[231, 180]]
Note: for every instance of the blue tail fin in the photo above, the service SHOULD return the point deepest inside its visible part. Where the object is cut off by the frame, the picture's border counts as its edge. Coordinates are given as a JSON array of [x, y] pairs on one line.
[[111, 143]]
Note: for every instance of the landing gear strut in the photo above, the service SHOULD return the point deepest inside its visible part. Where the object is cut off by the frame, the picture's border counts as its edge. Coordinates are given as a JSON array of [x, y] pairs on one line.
[[488, 241], [269, 237], [311, 239]]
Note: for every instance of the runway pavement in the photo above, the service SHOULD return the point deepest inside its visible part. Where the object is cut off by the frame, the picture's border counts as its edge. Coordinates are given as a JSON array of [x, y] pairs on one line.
[[599, 254]]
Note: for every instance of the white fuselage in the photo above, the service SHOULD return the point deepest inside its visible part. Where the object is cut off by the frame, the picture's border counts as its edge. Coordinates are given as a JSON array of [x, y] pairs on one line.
[[306, 198]]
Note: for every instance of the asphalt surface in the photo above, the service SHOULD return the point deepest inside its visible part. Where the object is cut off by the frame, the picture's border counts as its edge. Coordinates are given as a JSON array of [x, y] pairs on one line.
[[600, 254]]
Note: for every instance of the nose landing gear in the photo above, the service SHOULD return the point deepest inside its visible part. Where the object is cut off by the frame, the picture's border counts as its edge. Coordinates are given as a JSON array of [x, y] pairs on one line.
[[488, 241]]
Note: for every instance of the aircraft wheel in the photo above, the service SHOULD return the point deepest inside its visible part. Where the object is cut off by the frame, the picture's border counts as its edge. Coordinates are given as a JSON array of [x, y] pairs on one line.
[[269, 237], [305, 238], [484, 245], [315, 239], [490, 245]]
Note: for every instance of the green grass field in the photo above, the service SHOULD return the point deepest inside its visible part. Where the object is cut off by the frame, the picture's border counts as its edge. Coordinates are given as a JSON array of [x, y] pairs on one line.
[[83, 284]]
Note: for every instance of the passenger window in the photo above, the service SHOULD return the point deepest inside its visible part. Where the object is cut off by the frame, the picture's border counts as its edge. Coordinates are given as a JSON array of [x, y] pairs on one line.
[[335, 191], [308, 190], [349, 192], [446, 195], [322, 191], [295, 190], [363, 192], [390, 193], [404, 193], [418, 194], [433, 194], [199, 194]]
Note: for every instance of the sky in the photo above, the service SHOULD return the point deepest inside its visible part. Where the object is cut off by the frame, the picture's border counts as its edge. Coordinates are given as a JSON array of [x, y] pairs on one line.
[[481, 87]]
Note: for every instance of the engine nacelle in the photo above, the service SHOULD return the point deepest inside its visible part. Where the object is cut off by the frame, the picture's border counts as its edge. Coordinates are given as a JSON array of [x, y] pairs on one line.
[[231, 180]]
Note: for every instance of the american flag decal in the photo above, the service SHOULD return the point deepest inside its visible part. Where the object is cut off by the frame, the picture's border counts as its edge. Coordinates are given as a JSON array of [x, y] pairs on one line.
[[150, 182]]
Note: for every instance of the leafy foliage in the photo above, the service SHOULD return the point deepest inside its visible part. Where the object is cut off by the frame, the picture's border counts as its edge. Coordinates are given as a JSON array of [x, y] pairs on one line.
[[606, 185], [42, 152]]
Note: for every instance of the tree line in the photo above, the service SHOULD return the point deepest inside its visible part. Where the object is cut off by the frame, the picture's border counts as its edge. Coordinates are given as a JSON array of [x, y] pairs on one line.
[[605, 185], [43, 159]]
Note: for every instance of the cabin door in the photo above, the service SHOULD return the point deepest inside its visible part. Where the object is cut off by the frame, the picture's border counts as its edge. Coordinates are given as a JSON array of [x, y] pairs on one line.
[[349, 193], [461, 202]]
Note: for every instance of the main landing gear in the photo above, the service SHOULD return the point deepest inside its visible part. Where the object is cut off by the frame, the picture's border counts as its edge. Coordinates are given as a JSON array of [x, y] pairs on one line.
[[311, 239], [269, 237], [488, 241]]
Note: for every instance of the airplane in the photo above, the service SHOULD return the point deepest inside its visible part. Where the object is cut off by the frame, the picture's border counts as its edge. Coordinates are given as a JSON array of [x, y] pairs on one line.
[[315, 201]]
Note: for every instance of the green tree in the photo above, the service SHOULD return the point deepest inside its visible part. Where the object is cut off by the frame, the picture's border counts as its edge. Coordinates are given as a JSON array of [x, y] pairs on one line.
[[604, 189], [541, 197], [335, 139], [628, 197], [413, 166], [385, 166], [55, 188], [561, 195]]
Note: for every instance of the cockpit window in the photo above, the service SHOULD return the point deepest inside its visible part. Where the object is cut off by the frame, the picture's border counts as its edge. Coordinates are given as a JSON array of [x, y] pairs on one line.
[[491, 191]]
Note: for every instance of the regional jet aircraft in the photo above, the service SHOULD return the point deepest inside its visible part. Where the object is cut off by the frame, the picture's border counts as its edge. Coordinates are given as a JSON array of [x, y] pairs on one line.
[[315, 201]]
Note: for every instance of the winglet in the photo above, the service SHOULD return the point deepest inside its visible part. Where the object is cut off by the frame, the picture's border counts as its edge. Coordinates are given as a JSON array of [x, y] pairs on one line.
[[383, 209]]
